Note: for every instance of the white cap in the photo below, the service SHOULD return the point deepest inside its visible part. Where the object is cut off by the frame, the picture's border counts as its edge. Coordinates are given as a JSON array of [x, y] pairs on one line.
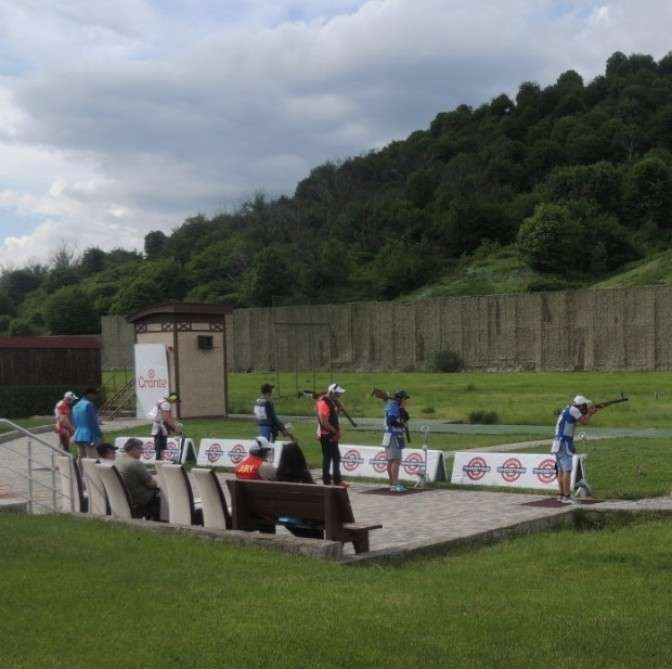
[[261, 444], [580, 399], [70, 396], [335, 389]]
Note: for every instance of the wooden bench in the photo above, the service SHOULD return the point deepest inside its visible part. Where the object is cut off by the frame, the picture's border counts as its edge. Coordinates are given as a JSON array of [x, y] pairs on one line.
[[256, 504]]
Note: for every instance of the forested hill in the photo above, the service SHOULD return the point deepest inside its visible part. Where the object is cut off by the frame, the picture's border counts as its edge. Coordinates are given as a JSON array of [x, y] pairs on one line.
[[568, 185]]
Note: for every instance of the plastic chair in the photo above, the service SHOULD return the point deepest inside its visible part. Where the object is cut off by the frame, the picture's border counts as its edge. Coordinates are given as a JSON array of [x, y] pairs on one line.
[[216, 514], [181, 508], [116, 491], [97, 500]]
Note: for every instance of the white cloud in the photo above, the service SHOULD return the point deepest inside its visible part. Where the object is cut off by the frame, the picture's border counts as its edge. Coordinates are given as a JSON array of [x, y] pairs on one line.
[[117, 118]]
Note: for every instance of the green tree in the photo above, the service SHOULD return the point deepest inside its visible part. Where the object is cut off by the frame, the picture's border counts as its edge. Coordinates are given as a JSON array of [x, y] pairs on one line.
[[70, 311], [92, 261], [7, 306], [22, 328], [136, 295], [551, 239], [269, 277], [648, 193], [155, 242]]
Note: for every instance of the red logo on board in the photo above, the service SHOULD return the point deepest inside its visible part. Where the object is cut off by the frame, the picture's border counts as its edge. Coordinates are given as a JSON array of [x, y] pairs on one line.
[[379, 462], [237, 453], [546, 472], [148, 451], [512, 470], [413, 464], [214, 452], [476, 468], [351, 460], [172, 451]]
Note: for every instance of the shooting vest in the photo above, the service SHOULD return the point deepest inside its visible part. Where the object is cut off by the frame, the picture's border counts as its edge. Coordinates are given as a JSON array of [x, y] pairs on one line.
[[333, 415], [248, 469]]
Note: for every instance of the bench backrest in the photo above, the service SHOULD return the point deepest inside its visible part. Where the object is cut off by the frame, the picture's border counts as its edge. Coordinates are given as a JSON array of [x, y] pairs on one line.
[[180, 495], [254, 501]]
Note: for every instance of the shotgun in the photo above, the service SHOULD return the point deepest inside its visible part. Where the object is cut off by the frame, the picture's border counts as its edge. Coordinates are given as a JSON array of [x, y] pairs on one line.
[[311, 394], [608, 403]]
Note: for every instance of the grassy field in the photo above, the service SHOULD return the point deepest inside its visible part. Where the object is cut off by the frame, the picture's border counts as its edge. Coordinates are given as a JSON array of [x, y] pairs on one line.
[[26, 422], [77, 595], [520, 398], [627, 468]]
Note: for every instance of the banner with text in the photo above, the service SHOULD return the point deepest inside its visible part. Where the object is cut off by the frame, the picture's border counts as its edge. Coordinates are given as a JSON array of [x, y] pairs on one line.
[[510, 470], [178, 450], [152, 380]]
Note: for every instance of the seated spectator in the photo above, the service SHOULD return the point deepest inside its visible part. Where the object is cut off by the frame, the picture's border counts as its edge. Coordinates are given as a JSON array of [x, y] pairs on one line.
[[293, 469], [107, 453], [142, 487], [255, 466]]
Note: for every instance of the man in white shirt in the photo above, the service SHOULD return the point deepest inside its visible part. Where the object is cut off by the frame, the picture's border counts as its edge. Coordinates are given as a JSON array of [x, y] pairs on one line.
[[579, 411], [163, 423]]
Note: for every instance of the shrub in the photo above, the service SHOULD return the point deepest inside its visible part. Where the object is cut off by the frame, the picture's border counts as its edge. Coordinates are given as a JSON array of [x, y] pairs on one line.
[[481, 417], [447, 361], [427, 410], [21, 401]]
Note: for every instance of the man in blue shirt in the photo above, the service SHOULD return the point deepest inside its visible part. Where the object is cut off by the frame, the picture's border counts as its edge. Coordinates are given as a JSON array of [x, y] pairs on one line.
[[393, 439], [579, 411], [87, 426], [264, 411]]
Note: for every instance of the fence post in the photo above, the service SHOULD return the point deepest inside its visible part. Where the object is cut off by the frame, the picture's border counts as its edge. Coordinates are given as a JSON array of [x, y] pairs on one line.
[[53, 481], [30, 476]]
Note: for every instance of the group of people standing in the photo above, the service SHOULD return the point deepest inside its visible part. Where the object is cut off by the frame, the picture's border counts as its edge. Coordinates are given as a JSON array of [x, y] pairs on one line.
[[328, 408]]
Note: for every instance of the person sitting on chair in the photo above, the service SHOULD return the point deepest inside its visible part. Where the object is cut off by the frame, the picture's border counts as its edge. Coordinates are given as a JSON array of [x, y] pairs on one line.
[[293, 469], [255, 467], [107, 453], [142, 488]]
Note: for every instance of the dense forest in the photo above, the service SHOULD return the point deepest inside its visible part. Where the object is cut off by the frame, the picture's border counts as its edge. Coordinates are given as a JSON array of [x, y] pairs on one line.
[[572, 181]]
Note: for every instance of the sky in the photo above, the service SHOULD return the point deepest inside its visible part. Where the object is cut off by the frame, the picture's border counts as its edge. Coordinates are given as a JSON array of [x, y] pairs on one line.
[[117, 118]]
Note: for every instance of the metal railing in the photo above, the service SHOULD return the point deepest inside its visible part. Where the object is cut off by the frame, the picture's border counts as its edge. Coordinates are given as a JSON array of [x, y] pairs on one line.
[[34, 465], [113, 406]]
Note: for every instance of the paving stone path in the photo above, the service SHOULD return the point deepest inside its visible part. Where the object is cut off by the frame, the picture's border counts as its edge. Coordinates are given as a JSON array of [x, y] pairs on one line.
[[411, 522]]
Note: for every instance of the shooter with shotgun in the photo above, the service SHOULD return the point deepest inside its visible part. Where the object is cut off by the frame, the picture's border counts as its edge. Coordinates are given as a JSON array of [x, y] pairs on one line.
[[393, 439], [581, 410], [328, 406]]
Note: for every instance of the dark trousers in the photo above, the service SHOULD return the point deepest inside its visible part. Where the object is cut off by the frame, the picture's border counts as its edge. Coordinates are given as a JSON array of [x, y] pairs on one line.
[[160, 444], [330, 454]]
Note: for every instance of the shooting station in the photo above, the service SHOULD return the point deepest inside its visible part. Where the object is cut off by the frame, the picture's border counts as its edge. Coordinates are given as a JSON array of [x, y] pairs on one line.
[[182, 348]]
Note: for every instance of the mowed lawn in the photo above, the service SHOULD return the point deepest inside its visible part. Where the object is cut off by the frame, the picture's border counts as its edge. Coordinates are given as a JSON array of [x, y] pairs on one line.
[[78, 594], [627, 468], [518, 398]]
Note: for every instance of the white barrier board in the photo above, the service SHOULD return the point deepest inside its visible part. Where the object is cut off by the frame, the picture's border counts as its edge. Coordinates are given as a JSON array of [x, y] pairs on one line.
[[371, 462], [178, 450], [363, 461], [511, 470], [229, 452]]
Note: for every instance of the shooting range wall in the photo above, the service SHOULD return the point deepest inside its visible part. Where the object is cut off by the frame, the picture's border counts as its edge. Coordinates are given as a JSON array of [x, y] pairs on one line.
[[118, 341], [619, 329]]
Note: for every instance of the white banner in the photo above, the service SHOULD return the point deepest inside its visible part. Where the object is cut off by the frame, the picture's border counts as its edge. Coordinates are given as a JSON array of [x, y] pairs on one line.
[[152, 380], [371, 462], [356, 461], [229, 452], [510, 470], [178, 450]]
